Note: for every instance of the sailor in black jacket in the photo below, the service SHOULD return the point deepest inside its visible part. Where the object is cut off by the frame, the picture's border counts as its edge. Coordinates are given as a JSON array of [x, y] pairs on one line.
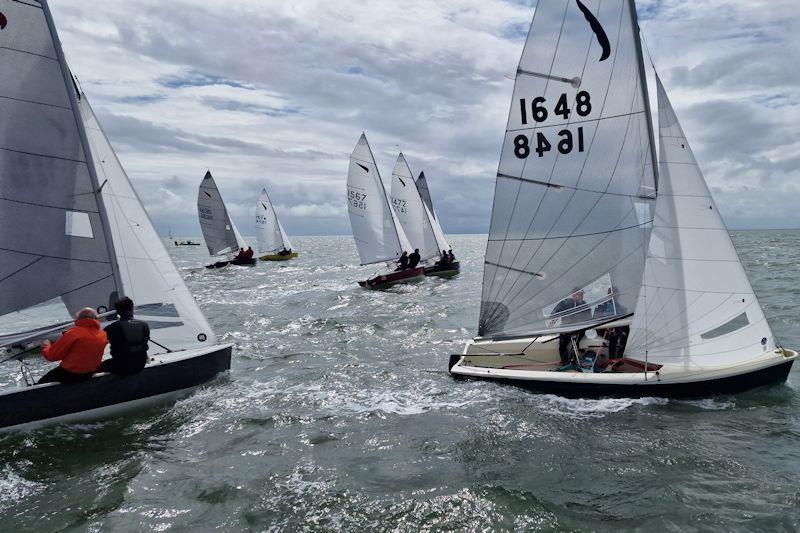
[[128, 338]]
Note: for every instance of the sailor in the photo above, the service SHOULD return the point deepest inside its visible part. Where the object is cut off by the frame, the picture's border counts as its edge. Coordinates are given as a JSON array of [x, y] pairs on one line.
[[403, 262], [451, 258], [284, 251], [80, 350], [128, 338], [413, 259], [445, 258], [248, 254], [575, 300]]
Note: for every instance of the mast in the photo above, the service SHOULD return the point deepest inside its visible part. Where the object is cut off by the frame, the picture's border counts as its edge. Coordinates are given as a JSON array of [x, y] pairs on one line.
[[73, 98], [643, 75]]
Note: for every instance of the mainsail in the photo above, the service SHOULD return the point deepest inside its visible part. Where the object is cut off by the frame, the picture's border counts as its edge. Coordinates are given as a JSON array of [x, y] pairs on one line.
[[269, 230], [54, 239], [219, 232], [425, 193], [576, 180], [412, 212], [696, 305], [378, 234], [148, 275]]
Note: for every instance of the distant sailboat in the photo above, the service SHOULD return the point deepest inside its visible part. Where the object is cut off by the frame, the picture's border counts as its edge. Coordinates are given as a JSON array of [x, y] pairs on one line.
[[419, 224], [63, 168], [273, 243], [378, 234], [590, 233], [220, 233]]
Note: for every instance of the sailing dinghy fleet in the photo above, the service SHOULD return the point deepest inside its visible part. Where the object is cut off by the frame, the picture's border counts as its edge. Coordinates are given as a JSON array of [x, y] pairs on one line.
[[384, 230], [608, 270]]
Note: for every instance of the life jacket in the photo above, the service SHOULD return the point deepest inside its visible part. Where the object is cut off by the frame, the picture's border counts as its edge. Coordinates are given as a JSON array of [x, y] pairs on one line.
[[80, 349]]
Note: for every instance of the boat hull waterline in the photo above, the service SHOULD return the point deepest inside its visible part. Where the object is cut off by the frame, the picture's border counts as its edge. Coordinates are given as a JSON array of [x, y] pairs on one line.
[[278, 257], [387, 280], [444, 271], [667, 382], [105, 394]]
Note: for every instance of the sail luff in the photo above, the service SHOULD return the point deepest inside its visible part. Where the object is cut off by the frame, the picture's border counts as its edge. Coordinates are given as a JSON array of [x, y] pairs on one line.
[[73, 97]]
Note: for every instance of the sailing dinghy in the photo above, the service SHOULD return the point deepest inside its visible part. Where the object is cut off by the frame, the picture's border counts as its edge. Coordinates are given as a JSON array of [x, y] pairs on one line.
[[421, 228], [74, 234], [378, 234], [609, 273], [220, 233], [273, 243]]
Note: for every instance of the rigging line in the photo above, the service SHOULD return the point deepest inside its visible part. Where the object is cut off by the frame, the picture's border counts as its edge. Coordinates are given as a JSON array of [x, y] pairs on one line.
[[578, 235], [21, 269], [23, 152], [559, 186], [54, 256], [511, 107], [34, 102], [34, 204], [552, 170], [574, 122]]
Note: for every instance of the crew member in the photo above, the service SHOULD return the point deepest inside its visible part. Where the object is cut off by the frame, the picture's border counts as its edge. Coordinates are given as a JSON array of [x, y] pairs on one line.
[[248, 254], [80, 350], [128, 338], [413, 259], [403, 262], [451, 258], [445, 258], [574, 301]]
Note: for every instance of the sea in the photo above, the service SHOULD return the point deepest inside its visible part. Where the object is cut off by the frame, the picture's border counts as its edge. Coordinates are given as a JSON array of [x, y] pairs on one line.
[[338, 414]]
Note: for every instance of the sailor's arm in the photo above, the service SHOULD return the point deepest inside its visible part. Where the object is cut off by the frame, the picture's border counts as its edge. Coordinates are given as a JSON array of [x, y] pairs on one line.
[[57, 350]]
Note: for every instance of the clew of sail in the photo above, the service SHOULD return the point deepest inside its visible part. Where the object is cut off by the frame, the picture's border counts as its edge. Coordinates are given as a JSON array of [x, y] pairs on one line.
[[576, 181], [378, 234], [269, 231], [54, 241], [412, 212], [696, 305], [148, 275], [219, 232]]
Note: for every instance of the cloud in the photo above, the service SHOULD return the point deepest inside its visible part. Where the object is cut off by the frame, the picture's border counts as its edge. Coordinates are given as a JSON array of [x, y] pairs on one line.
[[276, 94]]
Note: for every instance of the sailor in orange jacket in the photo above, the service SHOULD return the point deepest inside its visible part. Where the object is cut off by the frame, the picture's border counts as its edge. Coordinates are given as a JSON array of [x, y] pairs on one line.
[[80, 350]]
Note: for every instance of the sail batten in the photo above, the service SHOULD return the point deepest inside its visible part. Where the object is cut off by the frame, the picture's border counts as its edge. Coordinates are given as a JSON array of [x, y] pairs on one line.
[[575, 183]]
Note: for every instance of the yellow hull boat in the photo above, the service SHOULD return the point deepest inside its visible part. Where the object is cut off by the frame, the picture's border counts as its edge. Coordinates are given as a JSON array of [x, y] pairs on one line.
[[277, 257]]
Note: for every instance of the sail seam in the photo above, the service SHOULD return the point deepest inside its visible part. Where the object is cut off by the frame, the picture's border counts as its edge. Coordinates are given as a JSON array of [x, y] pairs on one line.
[[60, 208], [559, 186], [27, 53], [45, 256], [582, 121], [35, 102], [578, 235], [42, 155], [21, 269]]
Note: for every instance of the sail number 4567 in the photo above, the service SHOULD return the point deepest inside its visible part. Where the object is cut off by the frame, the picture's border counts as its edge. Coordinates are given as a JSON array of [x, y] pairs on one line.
[[539, 113]]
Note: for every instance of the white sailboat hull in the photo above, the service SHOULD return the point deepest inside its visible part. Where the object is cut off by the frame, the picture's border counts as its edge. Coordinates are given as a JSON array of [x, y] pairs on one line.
[[531, 363]]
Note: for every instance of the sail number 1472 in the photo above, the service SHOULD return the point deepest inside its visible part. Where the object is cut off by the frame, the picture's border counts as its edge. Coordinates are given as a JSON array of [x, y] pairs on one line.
[[567, 141]]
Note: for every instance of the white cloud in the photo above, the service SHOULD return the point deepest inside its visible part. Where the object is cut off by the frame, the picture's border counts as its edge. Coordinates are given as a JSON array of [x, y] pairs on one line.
[[276, 93]]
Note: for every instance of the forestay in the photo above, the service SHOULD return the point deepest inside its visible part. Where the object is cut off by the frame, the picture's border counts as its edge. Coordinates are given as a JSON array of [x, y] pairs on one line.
[[412, 212], [575, 184], [269, 230], [53, 238], [148, 275], [376, 230], [696, 305], [219, 232]]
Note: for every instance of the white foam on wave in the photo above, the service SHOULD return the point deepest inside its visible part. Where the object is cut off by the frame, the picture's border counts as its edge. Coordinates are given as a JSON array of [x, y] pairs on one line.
[[14, 488], [590, 408], [711, 404]]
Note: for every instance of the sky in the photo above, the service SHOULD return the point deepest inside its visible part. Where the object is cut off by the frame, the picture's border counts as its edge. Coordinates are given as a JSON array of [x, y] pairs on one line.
[[275, 94]]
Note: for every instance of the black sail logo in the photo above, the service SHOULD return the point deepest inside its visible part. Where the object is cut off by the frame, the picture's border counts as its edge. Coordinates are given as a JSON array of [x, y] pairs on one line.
[[3, 21], [598, 30], [362, 166]]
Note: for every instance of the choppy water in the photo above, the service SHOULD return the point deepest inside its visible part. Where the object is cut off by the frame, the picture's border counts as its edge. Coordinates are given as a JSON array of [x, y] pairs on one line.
[[339, 414]]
